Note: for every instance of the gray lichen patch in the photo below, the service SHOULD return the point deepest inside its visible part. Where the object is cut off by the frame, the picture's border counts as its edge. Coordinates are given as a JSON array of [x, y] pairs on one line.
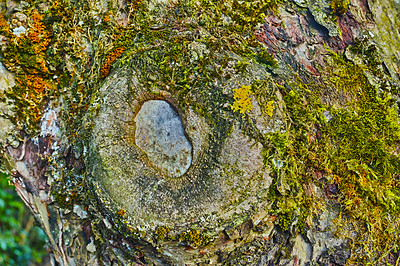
[[160, 134]]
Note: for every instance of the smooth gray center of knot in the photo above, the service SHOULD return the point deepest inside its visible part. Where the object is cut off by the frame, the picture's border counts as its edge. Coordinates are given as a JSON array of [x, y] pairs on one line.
[[160, 134]]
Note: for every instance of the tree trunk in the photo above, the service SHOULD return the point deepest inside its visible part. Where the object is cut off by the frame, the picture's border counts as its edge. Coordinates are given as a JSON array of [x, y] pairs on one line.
[[205, 132]]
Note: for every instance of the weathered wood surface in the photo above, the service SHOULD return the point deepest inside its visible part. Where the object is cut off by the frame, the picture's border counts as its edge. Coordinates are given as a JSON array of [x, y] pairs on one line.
[[104, 197]]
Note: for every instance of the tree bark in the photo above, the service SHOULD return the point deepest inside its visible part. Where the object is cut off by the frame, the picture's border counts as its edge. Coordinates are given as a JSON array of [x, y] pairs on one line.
[[166, 132]]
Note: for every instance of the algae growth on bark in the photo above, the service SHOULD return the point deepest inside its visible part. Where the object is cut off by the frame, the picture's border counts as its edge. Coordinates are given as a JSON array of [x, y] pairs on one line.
[[205, 132]]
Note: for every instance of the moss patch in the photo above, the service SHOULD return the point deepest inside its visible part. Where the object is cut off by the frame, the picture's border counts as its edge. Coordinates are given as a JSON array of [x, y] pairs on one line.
[[349, 148]]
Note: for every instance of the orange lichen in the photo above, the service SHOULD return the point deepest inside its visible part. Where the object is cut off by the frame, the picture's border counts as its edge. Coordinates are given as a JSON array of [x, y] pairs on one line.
[[3, 24], [107, 18], [38, 33], [40, 39], [33, 91], [111, 58], [121, 212], [33, 86]]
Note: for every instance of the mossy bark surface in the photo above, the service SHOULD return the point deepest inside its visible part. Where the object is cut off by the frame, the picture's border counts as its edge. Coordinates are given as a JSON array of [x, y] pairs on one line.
[[284, 117]]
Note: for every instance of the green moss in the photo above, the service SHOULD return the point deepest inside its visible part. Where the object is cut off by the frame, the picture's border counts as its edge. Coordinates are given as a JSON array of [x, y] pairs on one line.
[[266, 58], [70, 191], [355, 151], [144, 32], [285, 220], [64, 201]]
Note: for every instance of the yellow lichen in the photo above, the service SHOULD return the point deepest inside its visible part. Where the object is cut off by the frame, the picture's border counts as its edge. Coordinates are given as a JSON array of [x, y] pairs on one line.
[[242, 99], [193, 238], [269, 108], [339, 7], [162, 233]]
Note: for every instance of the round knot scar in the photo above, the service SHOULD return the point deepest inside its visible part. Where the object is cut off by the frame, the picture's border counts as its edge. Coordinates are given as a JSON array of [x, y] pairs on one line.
[[160, 134]]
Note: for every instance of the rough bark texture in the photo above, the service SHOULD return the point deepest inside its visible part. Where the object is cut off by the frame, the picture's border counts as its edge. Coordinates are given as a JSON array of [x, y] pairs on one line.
[[270, 95]]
